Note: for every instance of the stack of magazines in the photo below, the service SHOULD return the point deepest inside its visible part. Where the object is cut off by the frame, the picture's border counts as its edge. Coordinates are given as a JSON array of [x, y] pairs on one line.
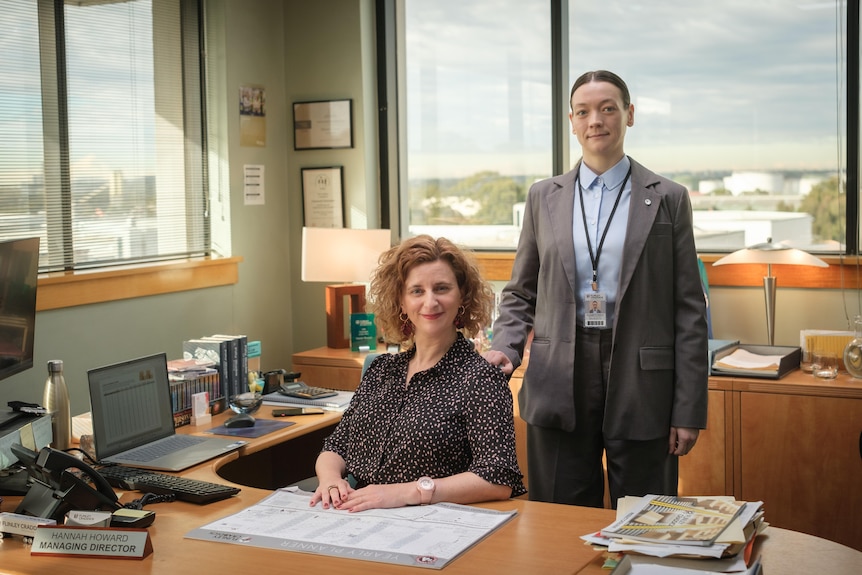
[[669, 535]]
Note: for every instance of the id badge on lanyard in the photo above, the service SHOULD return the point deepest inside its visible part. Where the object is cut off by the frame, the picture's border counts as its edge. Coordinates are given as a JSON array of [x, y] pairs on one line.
[[595, 306], [595, 301]]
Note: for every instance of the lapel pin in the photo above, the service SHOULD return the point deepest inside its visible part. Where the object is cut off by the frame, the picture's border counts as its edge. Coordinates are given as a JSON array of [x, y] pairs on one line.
[[648, 202]]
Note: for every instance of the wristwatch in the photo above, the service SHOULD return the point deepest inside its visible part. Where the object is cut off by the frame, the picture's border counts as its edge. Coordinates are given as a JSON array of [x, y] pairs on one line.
[[426, 487]]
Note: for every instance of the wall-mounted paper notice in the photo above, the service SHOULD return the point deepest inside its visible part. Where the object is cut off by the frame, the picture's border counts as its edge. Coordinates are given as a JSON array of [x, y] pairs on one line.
[[252, 177]]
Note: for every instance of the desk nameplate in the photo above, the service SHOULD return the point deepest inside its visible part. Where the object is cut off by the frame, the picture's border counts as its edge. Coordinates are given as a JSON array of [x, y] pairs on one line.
[[76, 541]]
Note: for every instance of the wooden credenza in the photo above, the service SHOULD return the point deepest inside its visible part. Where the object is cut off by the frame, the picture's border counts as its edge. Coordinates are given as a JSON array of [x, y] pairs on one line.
[[793, 443]]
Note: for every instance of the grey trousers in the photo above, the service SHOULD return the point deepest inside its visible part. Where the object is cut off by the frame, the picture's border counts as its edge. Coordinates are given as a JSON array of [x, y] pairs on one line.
[[566, 467]]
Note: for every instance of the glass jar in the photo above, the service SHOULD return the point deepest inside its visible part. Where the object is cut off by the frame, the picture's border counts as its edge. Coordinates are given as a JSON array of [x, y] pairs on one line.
[[853, 352]]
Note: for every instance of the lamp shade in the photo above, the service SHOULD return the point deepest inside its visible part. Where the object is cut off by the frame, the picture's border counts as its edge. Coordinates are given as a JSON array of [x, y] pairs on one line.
[[341, 254], [770, 253]]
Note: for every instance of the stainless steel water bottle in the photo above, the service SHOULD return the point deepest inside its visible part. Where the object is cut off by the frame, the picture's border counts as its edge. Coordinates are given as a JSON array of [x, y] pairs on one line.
[[56, 402]]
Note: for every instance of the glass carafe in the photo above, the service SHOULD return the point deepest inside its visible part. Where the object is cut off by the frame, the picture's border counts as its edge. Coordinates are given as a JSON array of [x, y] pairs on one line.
[[853, 352]]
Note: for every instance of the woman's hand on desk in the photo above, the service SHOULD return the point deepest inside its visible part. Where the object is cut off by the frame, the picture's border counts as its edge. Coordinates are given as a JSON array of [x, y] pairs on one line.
[[341, 496], [332, 488], [380, 497], [331, 493]]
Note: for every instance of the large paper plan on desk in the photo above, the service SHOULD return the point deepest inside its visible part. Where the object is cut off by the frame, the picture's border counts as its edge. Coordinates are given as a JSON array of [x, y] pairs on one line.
[[422, 536]]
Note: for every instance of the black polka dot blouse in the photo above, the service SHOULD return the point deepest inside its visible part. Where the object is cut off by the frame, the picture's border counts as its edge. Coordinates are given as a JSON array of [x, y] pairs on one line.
[[454, 417]]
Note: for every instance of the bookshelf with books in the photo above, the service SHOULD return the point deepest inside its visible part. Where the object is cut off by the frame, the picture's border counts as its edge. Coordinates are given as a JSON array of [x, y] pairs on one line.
[[210, 350], [185, 383], [231, 354], [237, 361]]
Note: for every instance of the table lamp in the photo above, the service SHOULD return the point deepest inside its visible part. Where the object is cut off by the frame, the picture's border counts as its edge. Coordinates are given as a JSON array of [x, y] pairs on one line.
[[341, 255], [769, 253]]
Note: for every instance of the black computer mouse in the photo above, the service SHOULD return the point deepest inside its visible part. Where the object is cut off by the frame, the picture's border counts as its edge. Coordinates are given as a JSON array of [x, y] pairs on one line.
[[240, 420]]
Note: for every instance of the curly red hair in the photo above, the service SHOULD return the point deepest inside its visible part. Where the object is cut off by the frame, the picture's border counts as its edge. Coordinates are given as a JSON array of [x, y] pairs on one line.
[[387, 284]]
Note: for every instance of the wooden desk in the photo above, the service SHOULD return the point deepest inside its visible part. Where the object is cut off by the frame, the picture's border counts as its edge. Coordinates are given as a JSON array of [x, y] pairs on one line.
[[542, 538], [793, 443]]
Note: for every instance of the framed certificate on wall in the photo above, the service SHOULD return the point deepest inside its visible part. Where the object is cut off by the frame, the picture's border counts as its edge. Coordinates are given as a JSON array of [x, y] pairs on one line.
[[323, 125], [323, 197]]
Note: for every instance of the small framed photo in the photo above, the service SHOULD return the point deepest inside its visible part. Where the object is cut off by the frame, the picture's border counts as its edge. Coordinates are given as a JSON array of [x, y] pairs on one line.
[[323, 125], [323, 197]]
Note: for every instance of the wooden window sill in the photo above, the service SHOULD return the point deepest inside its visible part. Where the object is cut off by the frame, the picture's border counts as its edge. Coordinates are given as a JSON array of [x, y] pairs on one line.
[[67, 289], [843, 272]]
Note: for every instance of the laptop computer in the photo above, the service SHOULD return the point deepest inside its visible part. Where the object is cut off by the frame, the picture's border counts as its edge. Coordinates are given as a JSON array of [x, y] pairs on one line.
[[133, 422]]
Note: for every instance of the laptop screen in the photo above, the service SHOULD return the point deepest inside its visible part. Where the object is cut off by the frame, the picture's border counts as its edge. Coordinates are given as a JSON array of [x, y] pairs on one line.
[[130, 404]]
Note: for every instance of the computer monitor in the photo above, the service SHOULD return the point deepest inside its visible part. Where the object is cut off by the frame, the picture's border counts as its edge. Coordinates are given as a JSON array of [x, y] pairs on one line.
[[19, 270]]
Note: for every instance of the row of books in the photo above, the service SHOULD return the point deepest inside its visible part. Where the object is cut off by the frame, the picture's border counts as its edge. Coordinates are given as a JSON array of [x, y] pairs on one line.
[[230, 356], [188, 377], [691, 535]]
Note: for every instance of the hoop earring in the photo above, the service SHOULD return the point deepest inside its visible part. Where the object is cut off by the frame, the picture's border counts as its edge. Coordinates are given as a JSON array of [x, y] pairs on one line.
[[407, 327], [459, 319]]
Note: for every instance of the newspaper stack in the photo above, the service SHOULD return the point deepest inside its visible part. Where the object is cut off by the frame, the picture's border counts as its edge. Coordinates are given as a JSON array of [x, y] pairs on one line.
[[669, 535]]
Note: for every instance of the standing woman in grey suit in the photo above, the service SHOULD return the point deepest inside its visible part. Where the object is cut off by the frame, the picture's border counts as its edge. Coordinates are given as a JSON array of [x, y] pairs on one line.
[[629, 379]]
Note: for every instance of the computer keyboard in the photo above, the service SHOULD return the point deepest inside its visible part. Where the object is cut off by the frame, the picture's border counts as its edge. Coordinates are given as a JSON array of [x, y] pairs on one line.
[[147, 481]]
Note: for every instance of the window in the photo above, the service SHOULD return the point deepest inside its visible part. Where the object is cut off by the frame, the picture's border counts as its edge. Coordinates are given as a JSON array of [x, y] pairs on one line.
[[101, 138], [744, 103], [476, 79]]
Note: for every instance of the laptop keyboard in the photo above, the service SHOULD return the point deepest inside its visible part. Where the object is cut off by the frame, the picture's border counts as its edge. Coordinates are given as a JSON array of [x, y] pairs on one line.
[[164, 447], [146, 481]]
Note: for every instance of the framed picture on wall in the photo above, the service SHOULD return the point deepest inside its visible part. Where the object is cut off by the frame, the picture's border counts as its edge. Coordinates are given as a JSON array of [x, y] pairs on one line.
[[323, 125], [323, 197]]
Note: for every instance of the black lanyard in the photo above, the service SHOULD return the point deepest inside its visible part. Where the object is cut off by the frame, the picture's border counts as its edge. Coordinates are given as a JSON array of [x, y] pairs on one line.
[[594, 258]]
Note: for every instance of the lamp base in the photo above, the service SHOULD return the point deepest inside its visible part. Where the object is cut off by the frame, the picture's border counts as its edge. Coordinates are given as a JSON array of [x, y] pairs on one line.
[[337, 336], [769, 285]]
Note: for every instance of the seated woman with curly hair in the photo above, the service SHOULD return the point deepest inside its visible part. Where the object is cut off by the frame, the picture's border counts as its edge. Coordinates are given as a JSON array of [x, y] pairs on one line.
[[432, 423]]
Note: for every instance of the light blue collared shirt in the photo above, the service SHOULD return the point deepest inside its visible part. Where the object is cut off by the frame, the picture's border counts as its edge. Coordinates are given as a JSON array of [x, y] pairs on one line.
[[600, 193]]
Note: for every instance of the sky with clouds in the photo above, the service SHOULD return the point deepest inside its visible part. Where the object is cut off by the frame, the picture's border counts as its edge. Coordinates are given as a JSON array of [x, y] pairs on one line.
[[717, 84]]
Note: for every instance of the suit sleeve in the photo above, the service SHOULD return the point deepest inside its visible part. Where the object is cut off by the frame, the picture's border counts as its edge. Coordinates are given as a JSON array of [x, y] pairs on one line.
[[691, 369], [518, 298]]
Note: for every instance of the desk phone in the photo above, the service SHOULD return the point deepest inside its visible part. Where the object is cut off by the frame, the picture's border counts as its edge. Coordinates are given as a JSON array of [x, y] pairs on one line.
[[302, 390]]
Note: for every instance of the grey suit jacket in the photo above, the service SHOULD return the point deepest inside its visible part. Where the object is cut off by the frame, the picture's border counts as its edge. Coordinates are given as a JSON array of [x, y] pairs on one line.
[[658, 372]]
